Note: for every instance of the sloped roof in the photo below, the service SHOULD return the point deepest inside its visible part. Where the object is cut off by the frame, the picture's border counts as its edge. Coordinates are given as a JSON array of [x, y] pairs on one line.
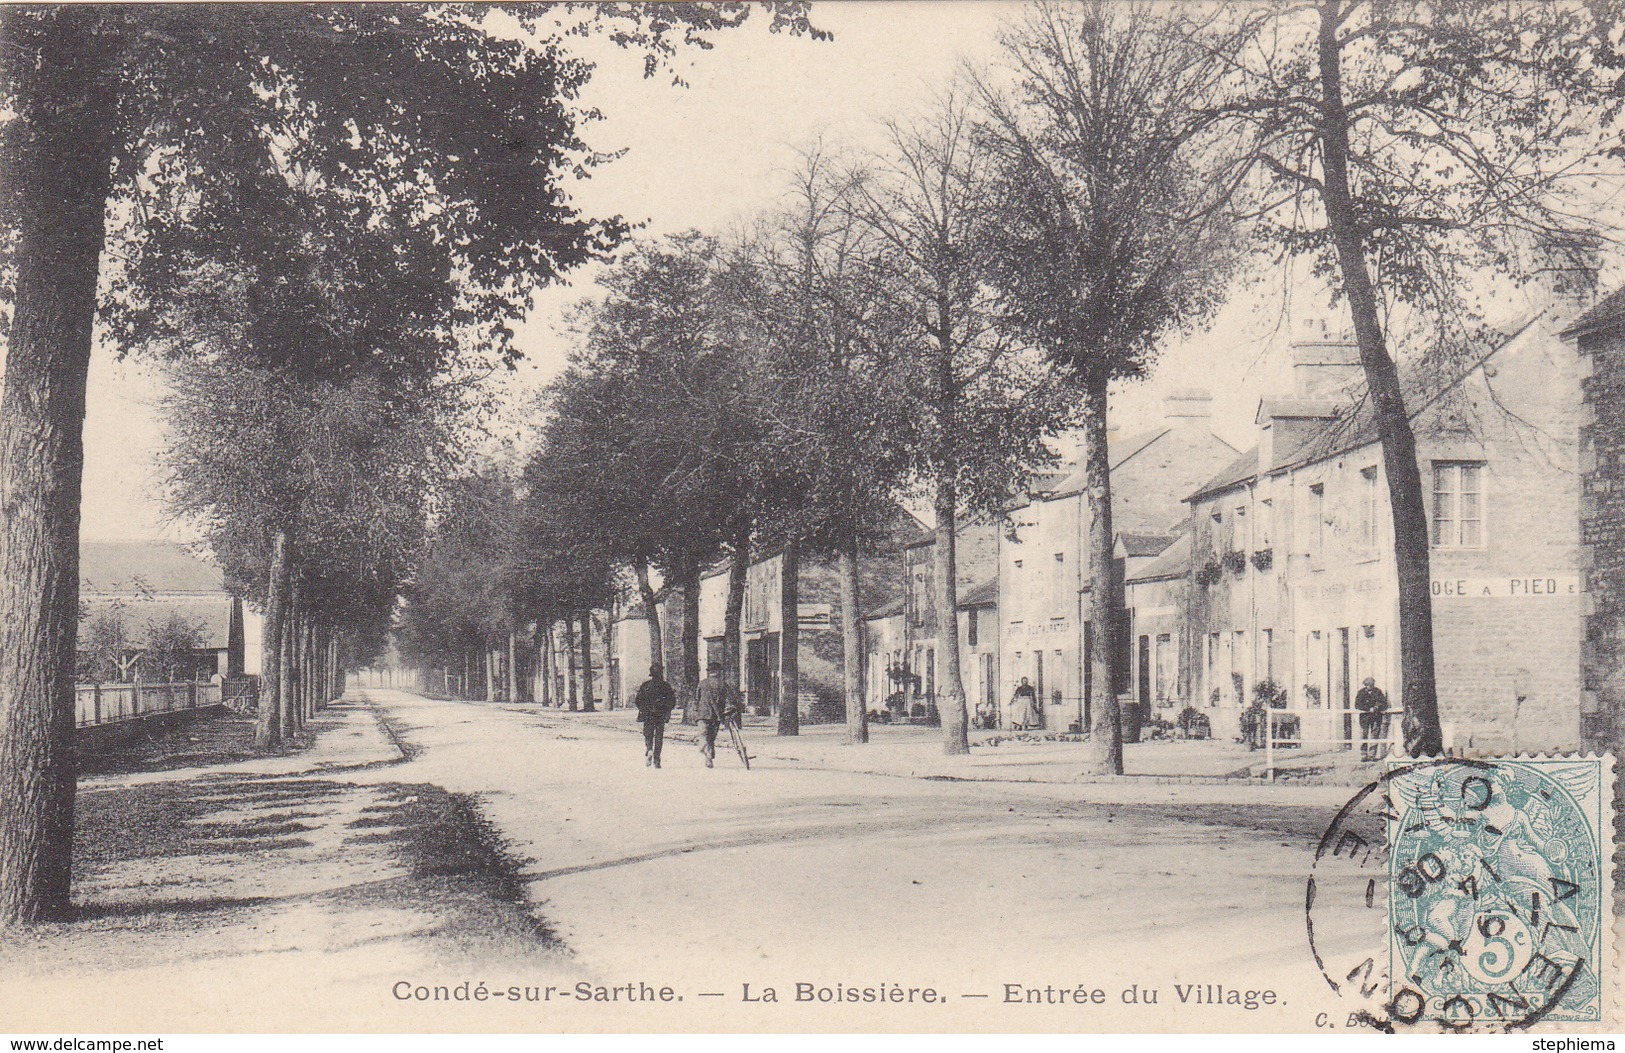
[[1237, 471], [1174, 562], [1297, 409], [1356, 426], [892, 609], [1607, 313], [209, 615], [1119, 451], [983, 594], [1138, 546], [144, 566]]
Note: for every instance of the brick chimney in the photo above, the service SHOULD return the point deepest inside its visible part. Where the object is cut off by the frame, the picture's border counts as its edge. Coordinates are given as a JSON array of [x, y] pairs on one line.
[[1325, 364], [1188, 404], [1565, 280]]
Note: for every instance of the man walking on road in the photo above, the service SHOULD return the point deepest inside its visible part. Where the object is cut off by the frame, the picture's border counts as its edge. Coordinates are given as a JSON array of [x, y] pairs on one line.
[[718, 701], [655, 701]]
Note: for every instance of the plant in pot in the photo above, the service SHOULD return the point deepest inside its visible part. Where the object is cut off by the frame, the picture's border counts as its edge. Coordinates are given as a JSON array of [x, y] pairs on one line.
[[1263, 559], [1235, 561]]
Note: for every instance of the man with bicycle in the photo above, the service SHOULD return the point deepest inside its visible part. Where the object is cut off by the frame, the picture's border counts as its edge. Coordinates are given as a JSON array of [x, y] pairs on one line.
[[718, 702]]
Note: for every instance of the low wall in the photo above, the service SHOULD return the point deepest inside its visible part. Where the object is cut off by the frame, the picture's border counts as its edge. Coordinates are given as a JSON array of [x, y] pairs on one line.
[[97, 737]]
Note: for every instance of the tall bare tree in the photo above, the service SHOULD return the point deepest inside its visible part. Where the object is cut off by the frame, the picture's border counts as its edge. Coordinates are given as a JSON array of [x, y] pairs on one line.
[[982, 407], [1111, 233], [1407, 148]]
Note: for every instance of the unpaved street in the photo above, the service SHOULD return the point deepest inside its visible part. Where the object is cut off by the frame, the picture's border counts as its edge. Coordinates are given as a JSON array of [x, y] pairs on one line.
[[376, 881], [711, 879]]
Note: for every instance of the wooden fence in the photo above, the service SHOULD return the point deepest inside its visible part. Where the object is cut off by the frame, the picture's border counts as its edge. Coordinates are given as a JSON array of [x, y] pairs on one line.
[[98, 704]]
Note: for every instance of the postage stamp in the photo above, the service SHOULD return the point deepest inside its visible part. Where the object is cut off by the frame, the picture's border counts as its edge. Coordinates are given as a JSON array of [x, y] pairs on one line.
[[1488, 883]]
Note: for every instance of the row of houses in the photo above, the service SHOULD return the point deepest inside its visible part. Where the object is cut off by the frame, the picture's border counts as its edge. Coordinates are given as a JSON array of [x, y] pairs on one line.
[[1269, 565]]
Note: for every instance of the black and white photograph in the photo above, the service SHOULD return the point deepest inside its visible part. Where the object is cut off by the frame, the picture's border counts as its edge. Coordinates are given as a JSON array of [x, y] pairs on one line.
[[981, 517]]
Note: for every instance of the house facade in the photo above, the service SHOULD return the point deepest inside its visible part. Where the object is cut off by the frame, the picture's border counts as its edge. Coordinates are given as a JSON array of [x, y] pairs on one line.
[[1044, 589], [1292, 559], [904, 642]]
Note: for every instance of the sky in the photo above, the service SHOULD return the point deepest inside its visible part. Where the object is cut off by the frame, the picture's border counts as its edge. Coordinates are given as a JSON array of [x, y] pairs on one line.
[[709, 155]]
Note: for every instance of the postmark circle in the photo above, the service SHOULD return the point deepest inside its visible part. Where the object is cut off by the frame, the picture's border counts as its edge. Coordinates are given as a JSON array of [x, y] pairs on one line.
[[1462, 895]]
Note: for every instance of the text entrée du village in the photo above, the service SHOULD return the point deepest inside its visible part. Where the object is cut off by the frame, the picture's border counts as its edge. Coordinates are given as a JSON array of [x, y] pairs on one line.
[[807, 992]]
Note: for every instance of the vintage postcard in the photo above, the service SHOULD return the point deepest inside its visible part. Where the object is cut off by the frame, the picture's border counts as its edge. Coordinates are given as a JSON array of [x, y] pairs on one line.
[[1002, 517]]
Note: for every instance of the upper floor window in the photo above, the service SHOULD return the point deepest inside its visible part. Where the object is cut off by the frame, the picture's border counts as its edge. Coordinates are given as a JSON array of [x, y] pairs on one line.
[[1458, 504], [1238, 529], [1265, 527], [1368, 506]]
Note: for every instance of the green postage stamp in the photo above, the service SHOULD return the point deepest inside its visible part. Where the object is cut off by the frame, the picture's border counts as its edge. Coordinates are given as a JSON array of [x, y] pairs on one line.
[[1499, 889]]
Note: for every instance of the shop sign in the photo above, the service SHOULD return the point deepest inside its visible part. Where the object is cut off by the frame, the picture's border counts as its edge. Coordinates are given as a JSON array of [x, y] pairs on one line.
[[1536, 586]]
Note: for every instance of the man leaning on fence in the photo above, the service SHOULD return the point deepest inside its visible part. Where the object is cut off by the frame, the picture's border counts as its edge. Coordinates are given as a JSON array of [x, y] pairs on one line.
[[1373, 707], [718, 701]]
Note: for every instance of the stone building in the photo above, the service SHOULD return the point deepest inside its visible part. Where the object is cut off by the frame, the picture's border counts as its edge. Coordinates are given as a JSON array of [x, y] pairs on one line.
[[820, 656], [1043, 586], [1292, 565], [1599, 339], [903, 638]]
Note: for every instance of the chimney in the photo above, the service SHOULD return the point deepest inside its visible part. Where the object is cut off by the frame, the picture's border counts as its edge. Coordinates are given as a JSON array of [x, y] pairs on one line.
[[1565, 278], [1325, 365], [1192, 404]]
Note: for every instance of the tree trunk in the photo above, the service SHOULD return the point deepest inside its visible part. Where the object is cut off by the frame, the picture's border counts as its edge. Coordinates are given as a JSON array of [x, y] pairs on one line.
[[945, 593], [738, 578], [268, 721], [307, 697], [613, 673], [513, 669], [490, 671], [790, 639], [57, 166], [570, 657], [652, 612], [1103, 752], [545, 666], [289, 679], [690, 642], [1420, 698], [852, 649], [587, 701]]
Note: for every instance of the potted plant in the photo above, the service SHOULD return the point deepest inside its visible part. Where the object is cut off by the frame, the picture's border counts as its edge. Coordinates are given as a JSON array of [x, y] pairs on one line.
[[1193, 725], [1263, 559], [1209, 573], [1235, 561]]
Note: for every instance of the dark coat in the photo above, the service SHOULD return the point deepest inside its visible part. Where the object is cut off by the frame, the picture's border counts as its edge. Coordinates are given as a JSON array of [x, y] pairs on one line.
[[1370, 700], [718, 700], [655, 701]]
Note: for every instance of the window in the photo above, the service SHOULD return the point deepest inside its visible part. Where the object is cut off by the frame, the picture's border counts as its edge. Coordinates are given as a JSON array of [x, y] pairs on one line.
[[1216, 531], [1317, 517], [1268, 644], [1265, 526], [1239, 528], [970, 627], [1458, 504], [1368, 507], [1167, 666]]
